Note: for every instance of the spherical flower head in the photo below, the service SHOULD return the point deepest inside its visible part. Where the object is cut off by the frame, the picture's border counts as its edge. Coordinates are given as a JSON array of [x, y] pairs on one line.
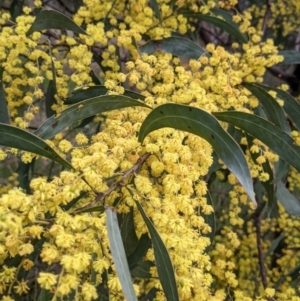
[[269, 292], [65, 145], [143, 184], [81, 139], [26, 249], [88, 292], [46, 280]]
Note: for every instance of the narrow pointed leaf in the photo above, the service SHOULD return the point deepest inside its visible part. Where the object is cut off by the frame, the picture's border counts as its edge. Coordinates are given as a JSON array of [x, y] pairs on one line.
[[155, 7], [274, 244], [210, 219], [162, 259], [227, 24], [268, 185], [273, 110], [291, 106], [205, 125], [128, 234], [94, 91], [142, 270], [14, 137], [118, 254], [176, 45], [277, 140], [4, 117], [140, 251], [51, 90], [291, 57], [289, 202], [82, 110], [276, 115], [50, 19]]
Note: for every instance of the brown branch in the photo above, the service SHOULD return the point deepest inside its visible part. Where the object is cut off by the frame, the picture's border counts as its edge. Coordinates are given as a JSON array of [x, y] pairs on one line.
[[267, 16], [262, 267], [126, 174]]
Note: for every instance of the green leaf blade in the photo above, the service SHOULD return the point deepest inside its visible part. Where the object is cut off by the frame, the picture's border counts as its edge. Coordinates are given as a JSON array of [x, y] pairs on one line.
[[291, 57], [227, 25], [203, 124], [163, 262], [273, 110], [277, 140], [84, 109], [175, 45], [118, 254], [4, 117], [50, 19], [94, 91], [14, 137], [289, 202]]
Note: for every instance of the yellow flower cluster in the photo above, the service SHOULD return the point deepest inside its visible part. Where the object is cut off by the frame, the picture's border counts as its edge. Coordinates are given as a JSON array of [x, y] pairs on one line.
[[170, 184]]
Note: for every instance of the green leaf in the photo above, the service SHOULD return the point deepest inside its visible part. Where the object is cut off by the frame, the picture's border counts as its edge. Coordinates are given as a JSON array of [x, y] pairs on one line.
[[278, 141], [142, 270], [93, 209], [275, 114], [4, 117], [162, 259], [84, 109], [291, 106], [269, 187], [227, 24], [205, 125], [51, 91], [14, 137], [140, 251], [128, 234], [16, 9], [273, 110], [174, 45], [50, 19], [23, 175], [291, 57], [118, 254], [93, 91], [274, 244], [289, 202], [155, 7], [210, 219]]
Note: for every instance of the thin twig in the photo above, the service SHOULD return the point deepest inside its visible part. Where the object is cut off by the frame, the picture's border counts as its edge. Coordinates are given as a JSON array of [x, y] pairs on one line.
[[126, 174], [262, 267], [267, 16]]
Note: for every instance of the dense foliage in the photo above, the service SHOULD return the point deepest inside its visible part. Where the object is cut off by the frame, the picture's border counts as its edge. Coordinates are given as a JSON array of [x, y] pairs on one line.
[[151, 150]]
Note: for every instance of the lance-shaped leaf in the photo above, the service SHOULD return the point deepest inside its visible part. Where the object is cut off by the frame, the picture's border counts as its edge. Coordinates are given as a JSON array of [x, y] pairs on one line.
[[84, 109], [273, 110], [291, 106], [162, 259], [278, 141], [289, 202], [225, 24], [118, 254], [129, 236], [155, 7], [176, 45], [269, 187], [4, 117], [51, 91], [93, 91], [14, 137], [51, 19], [291, 57], [205, 125], [276, 115]]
